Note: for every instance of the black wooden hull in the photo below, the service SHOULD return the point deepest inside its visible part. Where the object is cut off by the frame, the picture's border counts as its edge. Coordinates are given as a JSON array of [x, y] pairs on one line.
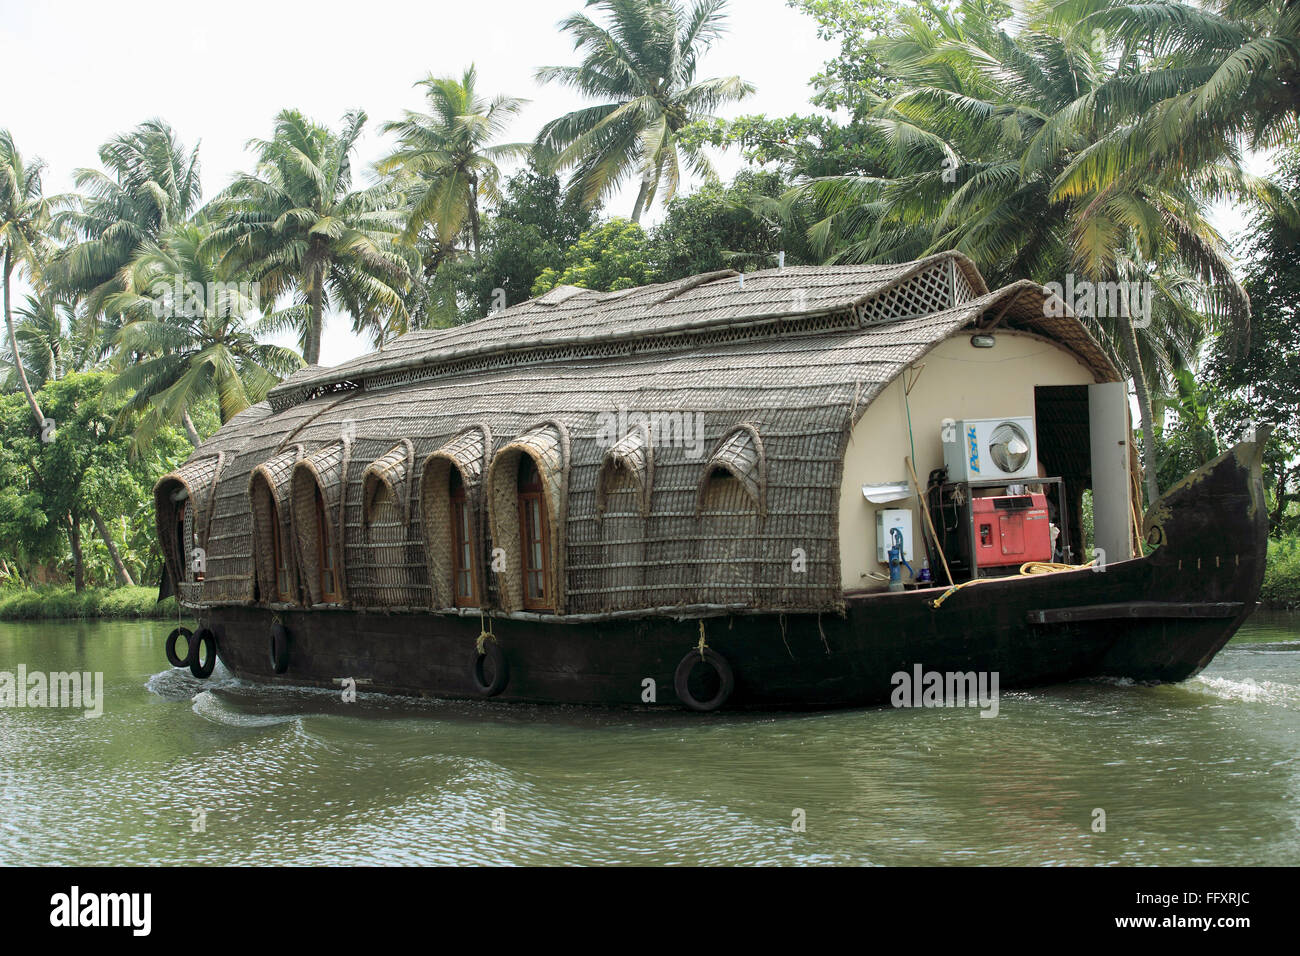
[[1162, 617]]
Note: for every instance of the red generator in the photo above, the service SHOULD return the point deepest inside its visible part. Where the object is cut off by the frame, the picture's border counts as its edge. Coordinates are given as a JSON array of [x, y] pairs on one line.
[[1010, 530]]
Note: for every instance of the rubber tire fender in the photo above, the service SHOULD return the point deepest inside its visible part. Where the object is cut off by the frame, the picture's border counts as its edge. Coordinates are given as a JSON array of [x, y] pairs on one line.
[[169, 647], [682, 679], [279, 648], [202, 666], [500, 669]]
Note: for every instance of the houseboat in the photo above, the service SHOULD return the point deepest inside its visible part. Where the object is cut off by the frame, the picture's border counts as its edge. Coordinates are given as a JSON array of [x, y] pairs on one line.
[[772, 490]]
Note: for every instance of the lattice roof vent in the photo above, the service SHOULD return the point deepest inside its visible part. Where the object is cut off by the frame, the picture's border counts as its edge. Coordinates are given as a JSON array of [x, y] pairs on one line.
[[932, 290]]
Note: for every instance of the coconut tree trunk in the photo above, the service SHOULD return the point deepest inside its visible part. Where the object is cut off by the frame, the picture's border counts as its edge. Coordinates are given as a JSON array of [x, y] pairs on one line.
[[473, 212], [640, 200], [13, 342], [1129, 334], [190, 430], [316, 317], [124, 579], [78, 563]]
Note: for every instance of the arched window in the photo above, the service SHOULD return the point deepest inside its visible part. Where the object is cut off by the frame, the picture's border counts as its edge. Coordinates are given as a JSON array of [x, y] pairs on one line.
[[528, 506], [318, 502], [534, 536], [327, 555], [183, 514], [285, 589], [623, 490], [275, 567], [464, 558], [385, 569], [185, 543], [450, 492], [730, 506]]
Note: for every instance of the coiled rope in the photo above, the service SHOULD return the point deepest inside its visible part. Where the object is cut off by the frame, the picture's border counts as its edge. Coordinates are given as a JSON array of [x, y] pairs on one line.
[[1028, 568], [485, 632]]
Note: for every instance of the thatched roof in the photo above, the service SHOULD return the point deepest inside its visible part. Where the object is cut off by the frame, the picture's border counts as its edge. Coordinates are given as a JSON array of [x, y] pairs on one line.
[[759, 383]]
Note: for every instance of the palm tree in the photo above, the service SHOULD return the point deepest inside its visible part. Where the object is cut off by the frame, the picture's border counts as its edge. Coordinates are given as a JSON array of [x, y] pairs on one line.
[[296, 224], [45, 344], [187, 339], [1222, 74], [641, 69], [25, 216], [150, 181], [448, 156], [981, 137]]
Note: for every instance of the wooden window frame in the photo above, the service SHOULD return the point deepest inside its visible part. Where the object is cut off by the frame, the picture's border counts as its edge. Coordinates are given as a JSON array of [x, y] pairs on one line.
[[531, 500], [324, 565], [464, 554], [280, 560]]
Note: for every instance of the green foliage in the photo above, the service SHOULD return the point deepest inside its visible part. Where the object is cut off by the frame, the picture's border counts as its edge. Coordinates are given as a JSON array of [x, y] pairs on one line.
[[1260, 383], [855, 79], [187, 338], [640, 69], [529, 231], [810, 146], [149, 182], [446, 158], [1282, 573], [85, 469], [297, 225], [611, 256], [1189, 441], [47, 603], [738, 227]]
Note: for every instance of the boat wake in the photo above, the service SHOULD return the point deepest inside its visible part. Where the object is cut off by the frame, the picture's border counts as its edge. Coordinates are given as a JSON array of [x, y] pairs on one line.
[[1249, 691], [222, 709], [177, 683]]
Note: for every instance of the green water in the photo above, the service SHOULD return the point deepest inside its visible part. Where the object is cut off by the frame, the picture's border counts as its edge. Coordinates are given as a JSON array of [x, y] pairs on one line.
[[176, 771]]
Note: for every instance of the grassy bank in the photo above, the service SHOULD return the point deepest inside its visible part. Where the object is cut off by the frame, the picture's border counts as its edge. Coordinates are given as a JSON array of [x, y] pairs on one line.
[[1282, 577], [50, 603]]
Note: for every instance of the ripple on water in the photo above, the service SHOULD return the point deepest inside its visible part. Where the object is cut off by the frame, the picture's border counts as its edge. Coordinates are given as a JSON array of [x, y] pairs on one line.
[[1272, 693], [1200, 772]]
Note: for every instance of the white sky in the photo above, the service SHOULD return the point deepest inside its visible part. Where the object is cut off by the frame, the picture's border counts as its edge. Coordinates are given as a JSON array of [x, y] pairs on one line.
[[220, 72], [81, 71]]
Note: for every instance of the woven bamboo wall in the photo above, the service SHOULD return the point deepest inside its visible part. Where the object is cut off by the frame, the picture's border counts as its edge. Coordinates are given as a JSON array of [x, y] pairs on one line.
[[769, 408]]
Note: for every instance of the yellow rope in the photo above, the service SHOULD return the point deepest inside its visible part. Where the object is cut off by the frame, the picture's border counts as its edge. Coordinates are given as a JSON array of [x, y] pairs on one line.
[[702, 647], [1028, 568]]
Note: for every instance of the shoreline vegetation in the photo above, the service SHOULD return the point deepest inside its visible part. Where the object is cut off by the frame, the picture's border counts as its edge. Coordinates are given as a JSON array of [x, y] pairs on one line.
[[1282, 577], [1082, 148], [65, 603]]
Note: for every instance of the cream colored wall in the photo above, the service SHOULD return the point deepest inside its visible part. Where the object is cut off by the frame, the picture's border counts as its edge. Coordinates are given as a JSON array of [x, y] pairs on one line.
[[958, 381]]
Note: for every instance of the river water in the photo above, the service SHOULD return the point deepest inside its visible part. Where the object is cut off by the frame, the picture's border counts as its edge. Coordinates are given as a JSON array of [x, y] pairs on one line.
[[180, 771]]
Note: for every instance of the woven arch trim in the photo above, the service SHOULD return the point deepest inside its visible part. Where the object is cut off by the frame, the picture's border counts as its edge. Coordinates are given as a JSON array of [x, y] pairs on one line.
[[326, 469], [548, 445], [268, 496], [468, 453], [740, 454], [198, 479], [392, 471], [632, 458]]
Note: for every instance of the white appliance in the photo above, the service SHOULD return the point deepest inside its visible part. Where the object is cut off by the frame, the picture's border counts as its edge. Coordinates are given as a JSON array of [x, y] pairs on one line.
[[990, 448]]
